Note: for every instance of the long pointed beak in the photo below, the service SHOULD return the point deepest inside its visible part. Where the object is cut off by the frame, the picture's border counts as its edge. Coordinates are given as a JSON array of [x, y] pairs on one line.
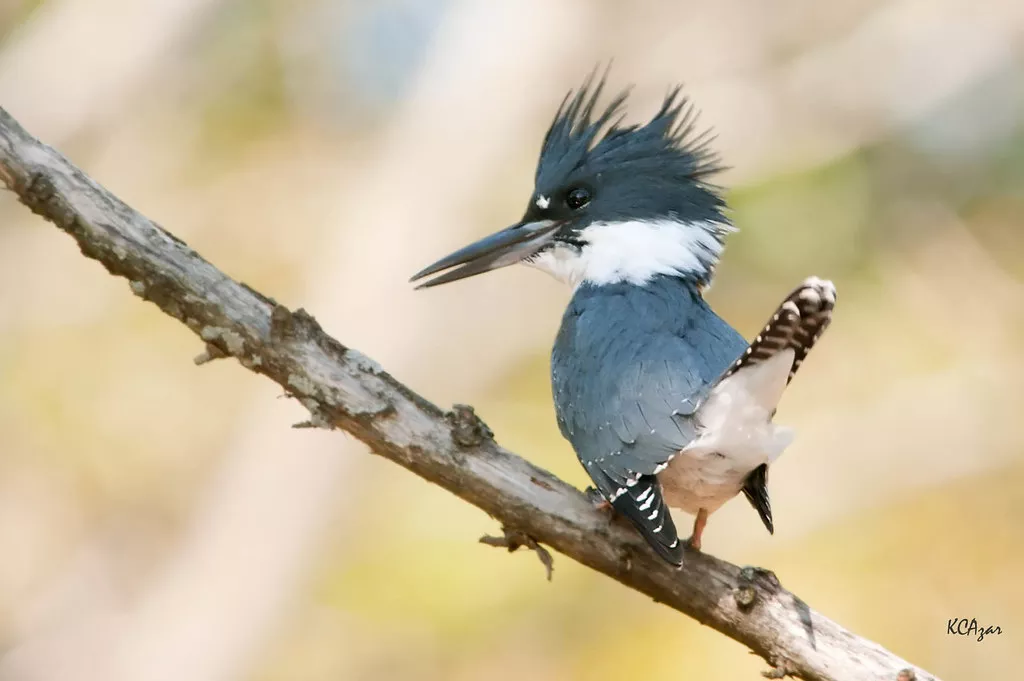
[[507, 247]]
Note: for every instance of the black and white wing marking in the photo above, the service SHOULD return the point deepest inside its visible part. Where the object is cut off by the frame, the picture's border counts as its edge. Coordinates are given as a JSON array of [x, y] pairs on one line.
[[640, 499]]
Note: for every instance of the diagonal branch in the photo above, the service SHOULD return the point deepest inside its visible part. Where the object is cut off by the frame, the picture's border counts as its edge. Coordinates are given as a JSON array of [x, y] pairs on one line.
[[342, 388]]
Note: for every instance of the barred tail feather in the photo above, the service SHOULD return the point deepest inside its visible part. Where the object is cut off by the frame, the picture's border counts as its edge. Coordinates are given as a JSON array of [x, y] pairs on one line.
[[796, 325]]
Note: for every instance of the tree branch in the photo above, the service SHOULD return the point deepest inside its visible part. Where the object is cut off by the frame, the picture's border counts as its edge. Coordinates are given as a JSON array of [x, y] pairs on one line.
[[342, 388]]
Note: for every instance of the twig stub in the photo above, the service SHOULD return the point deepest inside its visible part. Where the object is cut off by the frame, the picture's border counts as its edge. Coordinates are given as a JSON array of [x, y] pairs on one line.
[[514, 540], [209, 353]]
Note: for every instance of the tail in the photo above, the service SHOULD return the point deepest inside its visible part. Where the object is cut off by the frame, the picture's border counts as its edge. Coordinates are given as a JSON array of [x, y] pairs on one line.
[[755, 489], [796, 325]]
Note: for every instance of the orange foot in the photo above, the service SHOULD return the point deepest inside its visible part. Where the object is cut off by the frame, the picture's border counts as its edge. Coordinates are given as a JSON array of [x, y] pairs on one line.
[[598, 500], [698, 529]]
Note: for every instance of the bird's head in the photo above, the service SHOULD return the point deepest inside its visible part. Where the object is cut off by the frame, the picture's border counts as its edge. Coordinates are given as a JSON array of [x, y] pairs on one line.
[[611, 203]]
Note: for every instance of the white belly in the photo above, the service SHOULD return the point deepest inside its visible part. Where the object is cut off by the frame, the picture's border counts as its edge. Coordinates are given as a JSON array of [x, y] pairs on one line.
[[736, 435]]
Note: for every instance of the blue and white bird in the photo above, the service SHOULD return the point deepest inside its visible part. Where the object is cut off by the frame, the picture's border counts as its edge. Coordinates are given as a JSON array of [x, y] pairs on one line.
[[664, 402]]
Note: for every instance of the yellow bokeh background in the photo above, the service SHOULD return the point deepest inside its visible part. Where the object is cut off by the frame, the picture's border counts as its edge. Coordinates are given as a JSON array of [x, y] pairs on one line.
[[160, 520]]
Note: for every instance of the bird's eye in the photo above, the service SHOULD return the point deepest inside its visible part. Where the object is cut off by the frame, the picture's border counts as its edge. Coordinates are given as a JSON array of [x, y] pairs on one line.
[[577, 198]]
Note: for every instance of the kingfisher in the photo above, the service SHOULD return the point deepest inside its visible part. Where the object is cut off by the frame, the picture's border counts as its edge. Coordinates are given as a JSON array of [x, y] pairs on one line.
[[665, 404]]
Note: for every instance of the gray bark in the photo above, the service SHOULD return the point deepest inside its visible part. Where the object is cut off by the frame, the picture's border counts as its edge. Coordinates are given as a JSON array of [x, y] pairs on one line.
[[343, 389]]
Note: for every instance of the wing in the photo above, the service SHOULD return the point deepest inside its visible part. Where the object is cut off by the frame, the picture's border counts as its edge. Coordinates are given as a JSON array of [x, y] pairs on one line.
[[625, 394], [625, 432]]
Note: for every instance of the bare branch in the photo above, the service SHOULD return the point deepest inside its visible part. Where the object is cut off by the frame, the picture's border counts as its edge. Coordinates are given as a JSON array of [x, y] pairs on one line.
[[342, 388]]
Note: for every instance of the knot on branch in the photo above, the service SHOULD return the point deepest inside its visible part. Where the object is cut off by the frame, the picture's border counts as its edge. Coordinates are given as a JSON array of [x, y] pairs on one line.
[[745, 596], [780, 671], [285, 324], [513, 540], [299, 325], [39, 191], [281, 324], [40, 195], [318, 418], [226, 341], [752, 582], [468, 430]]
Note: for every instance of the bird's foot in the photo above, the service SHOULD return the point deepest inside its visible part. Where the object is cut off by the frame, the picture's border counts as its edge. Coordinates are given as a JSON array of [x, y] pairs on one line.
[[598, 500], [698, 530]]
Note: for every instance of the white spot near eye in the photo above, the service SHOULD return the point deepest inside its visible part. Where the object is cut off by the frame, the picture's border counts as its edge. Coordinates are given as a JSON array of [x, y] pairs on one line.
[[543, 201]]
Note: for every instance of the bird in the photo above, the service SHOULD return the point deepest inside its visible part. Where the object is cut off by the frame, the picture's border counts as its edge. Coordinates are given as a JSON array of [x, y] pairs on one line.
[[665, 404]]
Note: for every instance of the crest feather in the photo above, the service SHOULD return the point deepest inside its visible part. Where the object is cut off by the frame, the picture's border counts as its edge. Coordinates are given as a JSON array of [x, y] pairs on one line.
[[578, 136]]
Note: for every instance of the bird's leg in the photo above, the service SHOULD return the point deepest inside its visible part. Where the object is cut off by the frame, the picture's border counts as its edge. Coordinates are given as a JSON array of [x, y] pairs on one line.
[[698, 529]]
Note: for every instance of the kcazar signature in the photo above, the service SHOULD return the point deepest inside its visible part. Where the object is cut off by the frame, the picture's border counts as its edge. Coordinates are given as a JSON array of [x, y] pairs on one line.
[[962, 626]]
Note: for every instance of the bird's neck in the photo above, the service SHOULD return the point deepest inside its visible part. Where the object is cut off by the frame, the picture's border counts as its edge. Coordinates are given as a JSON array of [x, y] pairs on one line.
[[635, 252]]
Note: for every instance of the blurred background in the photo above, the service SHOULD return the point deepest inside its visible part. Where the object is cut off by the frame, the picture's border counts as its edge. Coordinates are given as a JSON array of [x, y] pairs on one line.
[[161, 521]]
